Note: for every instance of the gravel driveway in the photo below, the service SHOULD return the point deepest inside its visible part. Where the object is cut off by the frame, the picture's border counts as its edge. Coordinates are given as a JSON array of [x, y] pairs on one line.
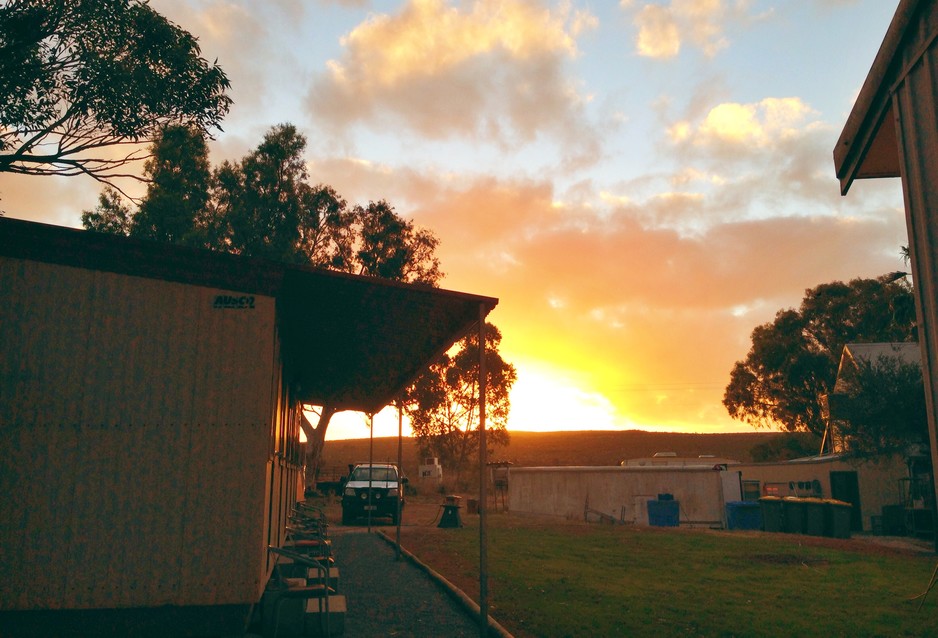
[[390, 597]]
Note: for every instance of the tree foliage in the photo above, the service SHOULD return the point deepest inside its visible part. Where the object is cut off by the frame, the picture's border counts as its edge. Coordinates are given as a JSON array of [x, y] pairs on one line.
[[389, 246], [443, 404], [786, 446], [111, 215], [174, 207], [793, 361], [883, 411], [265, 206], [179, 175], [78, 77], [327, 229], [266, 200]]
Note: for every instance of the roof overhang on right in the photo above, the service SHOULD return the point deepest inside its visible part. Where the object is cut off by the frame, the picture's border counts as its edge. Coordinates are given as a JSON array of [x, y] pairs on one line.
[[868, 147]]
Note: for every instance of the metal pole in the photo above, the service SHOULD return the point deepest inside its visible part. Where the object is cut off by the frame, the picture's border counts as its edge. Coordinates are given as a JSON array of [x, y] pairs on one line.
[[400, 472], [371, 462], [483, 492]]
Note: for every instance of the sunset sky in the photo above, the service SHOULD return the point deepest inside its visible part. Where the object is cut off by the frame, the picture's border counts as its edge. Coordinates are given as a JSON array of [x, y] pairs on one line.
[[640, 183]]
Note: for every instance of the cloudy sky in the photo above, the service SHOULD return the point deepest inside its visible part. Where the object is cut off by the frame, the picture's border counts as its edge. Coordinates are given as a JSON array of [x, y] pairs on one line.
[[640, 183]]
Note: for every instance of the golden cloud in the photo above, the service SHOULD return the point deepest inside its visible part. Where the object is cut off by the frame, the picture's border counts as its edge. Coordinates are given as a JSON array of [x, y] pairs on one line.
[[485, 69], [658, 34], [760, 124], [430, 38], [662, 29]]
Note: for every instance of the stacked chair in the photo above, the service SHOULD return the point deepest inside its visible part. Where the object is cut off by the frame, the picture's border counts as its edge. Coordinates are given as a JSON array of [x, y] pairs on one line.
[[301, 598]]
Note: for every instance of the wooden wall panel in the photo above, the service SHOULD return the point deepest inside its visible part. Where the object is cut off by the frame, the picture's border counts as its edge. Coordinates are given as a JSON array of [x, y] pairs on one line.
[[915, 105], [14, 510], [135, 421]]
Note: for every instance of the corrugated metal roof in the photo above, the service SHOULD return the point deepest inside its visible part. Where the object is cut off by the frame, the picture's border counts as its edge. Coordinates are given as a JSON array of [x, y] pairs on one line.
[[349, 341]]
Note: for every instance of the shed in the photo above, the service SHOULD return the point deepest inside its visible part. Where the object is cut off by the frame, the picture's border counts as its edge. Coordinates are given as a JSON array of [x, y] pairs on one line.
[[150, 401], [869, 486], [892, 131], [621, 493]]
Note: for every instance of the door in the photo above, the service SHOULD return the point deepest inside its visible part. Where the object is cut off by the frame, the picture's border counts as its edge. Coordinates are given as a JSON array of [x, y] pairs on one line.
[[846, 487]]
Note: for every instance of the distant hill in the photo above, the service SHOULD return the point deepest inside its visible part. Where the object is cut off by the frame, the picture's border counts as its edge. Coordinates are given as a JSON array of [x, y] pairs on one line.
[[564, 448]]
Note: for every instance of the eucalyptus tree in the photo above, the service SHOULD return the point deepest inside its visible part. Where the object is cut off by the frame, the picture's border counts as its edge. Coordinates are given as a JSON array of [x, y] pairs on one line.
[[793, 361], [443, 404], [392, 247], [178, 175], [81, 78]]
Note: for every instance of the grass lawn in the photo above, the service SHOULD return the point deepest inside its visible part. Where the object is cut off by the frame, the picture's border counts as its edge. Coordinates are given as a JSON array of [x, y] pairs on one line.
[[557, 578]]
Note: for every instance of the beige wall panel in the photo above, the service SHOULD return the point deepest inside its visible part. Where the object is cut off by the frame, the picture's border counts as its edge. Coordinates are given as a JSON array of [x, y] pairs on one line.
[[95, 521], [268, 526], [224, 517], [111, 392], [879, 486], [236, 356], [161, 348], [614, 491], [19, 463], [915, 104], [147, 567], [44, 317], [143, 334], [161, 478]]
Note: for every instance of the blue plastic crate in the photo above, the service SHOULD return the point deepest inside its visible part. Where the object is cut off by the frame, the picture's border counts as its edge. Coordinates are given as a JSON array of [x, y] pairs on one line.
[[664, 513], [743, 515]]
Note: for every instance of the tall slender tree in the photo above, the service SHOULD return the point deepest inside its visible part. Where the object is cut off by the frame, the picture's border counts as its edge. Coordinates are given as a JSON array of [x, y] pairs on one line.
[[327, 228], [178, 174], [112, 215], [265, 208]]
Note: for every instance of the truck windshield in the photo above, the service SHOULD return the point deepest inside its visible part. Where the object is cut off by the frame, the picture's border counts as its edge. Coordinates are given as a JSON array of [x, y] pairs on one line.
[[377, 474]]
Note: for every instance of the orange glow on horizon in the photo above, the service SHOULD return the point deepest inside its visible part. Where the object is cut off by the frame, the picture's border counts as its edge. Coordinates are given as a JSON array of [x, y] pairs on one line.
[[544, 400]]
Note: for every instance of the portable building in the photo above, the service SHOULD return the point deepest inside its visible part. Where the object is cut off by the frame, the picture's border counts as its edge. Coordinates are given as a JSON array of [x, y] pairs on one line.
[[150, 406], [622, 493], [892, 131], [868, 485]]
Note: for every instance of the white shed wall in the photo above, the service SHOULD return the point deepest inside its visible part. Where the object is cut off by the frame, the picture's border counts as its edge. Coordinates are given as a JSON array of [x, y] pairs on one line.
[[619, 492]]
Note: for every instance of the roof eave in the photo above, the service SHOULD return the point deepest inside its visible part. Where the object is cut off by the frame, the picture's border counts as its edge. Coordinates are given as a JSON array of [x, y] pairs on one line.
[[867, 147]]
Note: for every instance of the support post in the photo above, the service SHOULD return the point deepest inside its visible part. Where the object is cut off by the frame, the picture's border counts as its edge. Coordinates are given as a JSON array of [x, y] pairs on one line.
[[483, 491], [400, 472], [371, 462]]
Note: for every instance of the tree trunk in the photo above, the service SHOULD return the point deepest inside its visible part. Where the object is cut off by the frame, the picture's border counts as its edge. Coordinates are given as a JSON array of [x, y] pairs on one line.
[[315, 439]]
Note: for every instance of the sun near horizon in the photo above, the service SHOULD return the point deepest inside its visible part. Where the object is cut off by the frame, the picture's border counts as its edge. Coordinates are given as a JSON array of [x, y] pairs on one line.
[[542, 400]]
